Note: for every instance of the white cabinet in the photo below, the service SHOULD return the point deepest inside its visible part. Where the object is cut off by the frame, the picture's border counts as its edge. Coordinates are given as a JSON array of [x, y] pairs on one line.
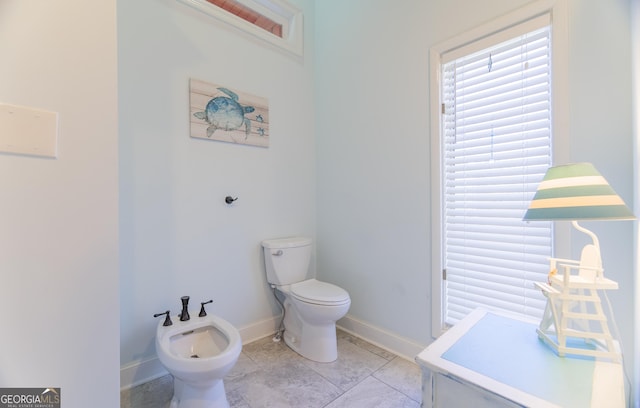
[[496, 360]]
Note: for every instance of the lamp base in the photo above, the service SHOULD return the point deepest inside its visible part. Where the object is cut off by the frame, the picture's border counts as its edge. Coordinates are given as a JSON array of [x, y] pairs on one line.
[[576, 332], [579, 346]]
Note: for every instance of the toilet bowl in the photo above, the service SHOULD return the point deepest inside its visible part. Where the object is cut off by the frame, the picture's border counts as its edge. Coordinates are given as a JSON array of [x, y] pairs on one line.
[[198, 353], [311, 307]]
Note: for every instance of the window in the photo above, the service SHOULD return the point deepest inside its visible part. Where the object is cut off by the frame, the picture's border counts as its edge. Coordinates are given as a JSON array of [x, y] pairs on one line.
[[248, 14], [275, 22], [494, 145]]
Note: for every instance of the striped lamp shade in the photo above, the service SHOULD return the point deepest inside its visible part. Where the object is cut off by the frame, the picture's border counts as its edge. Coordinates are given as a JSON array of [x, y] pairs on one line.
[[576, 192]]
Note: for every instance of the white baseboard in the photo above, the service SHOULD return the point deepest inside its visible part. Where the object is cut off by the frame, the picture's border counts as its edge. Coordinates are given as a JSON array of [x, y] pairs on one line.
[[141, 372], [258, 330], [384, 339]]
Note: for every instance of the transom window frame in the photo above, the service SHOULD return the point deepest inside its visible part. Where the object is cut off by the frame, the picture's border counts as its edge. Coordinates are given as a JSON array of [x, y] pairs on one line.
[[280, 12], [557, 12]]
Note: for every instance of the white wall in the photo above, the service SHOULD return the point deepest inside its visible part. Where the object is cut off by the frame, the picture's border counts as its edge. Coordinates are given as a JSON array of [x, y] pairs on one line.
[[372, 104], [59, 217], [601, 129], [178, 237], [635, 69], [373, 151]]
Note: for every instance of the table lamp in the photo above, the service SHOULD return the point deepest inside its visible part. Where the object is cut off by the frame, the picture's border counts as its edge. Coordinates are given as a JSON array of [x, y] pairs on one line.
[[577, 192]]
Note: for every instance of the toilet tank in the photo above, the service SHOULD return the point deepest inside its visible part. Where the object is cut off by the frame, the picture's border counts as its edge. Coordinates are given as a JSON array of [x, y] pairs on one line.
[[287, 259]]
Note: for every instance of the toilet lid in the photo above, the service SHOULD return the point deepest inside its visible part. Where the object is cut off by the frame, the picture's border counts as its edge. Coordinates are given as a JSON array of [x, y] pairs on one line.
[[314, 291]]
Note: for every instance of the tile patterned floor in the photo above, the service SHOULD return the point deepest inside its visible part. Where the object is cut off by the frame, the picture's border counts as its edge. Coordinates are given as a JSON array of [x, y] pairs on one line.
[[269, 374]]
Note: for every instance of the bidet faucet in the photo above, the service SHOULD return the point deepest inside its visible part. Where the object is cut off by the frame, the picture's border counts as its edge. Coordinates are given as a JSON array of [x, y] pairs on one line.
[[184, 315], [167, 320], [203, 312]]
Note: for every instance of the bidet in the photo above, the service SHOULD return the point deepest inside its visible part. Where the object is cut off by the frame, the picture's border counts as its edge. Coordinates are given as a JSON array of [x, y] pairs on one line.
[[198, 354]]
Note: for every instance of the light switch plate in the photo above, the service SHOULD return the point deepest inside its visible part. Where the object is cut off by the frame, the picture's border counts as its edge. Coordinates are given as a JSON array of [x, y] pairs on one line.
[[28, 131]]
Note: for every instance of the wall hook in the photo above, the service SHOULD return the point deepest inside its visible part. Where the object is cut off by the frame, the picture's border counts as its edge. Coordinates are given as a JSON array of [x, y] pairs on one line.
[[229, 199]]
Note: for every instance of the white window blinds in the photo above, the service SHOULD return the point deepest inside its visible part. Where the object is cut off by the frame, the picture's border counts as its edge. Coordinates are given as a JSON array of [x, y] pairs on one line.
[[497, 146]]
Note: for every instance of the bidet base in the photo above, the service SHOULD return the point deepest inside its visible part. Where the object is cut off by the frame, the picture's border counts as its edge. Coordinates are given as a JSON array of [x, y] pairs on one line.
[[188, 396]]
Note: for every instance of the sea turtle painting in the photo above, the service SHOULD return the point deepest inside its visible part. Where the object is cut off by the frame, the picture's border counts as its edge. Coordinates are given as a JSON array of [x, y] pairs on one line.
[[225, 113]]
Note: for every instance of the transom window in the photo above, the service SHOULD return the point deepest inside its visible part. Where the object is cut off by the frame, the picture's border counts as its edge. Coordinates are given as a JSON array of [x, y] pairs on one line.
[[274, 22], [248, 14]]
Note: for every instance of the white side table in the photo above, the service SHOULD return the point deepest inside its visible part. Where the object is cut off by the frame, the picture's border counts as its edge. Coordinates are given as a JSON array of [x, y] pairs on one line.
[[492, 359]]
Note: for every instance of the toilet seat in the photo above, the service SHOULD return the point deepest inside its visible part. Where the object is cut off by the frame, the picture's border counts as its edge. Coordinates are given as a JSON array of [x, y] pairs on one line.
[[319, 293]]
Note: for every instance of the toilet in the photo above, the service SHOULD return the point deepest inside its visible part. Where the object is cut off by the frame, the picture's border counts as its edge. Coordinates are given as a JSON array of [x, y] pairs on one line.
[[311, 307], [198, 353]]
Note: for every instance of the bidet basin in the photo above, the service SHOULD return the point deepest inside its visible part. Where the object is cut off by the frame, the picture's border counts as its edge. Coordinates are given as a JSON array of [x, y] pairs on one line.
[[203, 342], [198, 353]]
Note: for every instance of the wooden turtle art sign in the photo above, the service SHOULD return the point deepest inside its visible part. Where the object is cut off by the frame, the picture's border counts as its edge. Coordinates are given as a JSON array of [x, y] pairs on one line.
[[220, 113]]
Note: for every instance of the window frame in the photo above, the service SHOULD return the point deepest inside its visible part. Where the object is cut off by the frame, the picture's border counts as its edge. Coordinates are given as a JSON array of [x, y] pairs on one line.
[[279, 11], [557, 11]]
